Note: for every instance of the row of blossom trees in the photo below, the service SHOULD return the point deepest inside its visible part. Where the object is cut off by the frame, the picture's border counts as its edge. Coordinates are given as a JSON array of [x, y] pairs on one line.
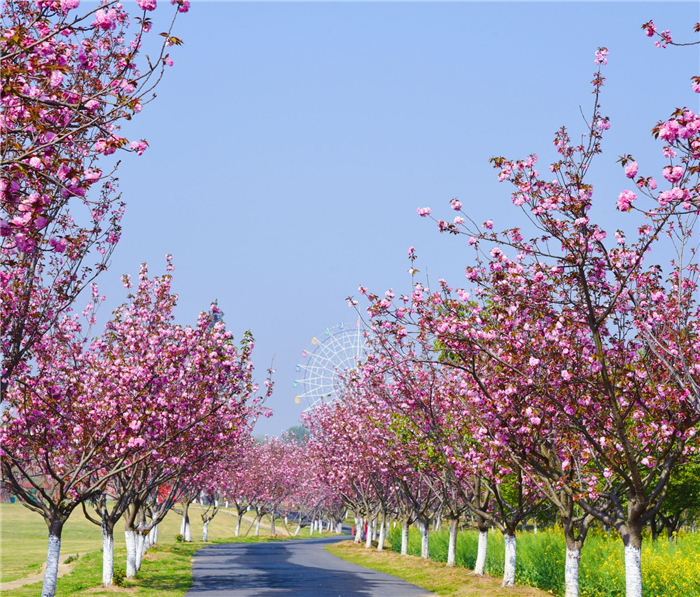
[[567, 373], [123, 424]]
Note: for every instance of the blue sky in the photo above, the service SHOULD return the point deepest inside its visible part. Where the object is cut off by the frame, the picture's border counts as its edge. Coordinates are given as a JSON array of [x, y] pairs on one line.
[[291, 144]]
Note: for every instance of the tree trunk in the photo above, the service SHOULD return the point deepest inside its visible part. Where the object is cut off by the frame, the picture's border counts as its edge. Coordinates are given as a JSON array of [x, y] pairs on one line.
[[368, 536], [139, 550], [571, 568], [404, 538], [452, 544], [130, 537], [205, 531], [510, 559], [107, 554], [273, 531], [238, 525], [358, 530], [296, 533], [382, 534], [633, 570], [52, 556], [480, 566], [257, 526], [425, 540]]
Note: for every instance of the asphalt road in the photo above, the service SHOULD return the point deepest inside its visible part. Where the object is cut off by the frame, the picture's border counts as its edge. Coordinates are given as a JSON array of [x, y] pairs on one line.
[[301, 568]]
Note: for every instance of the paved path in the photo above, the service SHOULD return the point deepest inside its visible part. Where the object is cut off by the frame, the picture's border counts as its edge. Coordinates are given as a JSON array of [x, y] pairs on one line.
[[300, 568]]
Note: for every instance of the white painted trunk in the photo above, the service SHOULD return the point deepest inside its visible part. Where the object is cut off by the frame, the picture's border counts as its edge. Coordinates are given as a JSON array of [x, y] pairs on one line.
[[425, 541], [633, 571], [147, 542], [382, 535], [358, 530], [296, 533], [339, 528], [182, 524], [404, 538], [140, 539], [374, 530], [205, 531], [286, 520], [51, 574], [238, 526], [438, 523], [257, 526], [130, 537], [480, 566], [571, 567], [452, 544], [368, 537], [510, 559], [107, 557], [187, 535]]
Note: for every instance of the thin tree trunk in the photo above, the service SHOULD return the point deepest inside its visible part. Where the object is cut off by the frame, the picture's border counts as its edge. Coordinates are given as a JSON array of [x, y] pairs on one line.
[[368, 536], [510, 560], [130, 537], [425, 540], [480, 566], [257, 526], [52, 556], [358, 530], [273, 531], [107, 554], [571, 569], [404, 538], [139, 550], [452, 544], [205, 531], [382, 534], [238, 525], [633, 571]]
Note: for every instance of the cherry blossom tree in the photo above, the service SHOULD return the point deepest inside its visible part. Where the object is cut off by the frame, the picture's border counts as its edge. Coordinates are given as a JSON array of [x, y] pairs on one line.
[[71, 77]]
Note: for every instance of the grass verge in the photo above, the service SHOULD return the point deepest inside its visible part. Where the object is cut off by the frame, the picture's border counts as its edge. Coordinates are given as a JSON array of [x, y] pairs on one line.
[[432, 576]]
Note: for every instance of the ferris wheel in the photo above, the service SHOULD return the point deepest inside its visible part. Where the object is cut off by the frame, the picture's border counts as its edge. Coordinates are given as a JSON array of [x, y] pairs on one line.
[[339, 349]]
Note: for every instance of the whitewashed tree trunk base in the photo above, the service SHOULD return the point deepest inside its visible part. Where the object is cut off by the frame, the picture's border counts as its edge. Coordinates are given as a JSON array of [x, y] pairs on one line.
[[480, 566], [130, 538], [404, 538], [633, 571], [51, 574], [571, 568], [452, 544], [510, 560], [205, 531], [425, 541], [107, 558]]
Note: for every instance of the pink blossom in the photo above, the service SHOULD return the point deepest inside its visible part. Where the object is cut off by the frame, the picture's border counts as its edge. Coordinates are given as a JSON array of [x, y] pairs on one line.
[[56, 78], [456, 204], [669, 131], [106, 19], [625, 200], [631, 170], [423, 211], [67, 5], [674, 174], [58, 244], [147, 4], [488, 225]]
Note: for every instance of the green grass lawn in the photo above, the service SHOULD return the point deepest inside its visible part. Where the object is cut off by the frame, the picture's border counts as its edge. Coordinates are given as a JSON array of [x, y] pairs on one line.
[[23, 541]]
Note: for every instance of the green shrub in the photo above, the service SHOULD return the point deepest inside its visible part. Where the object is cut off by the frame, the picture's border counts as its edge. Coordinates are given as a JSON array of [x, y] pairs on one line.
[[119, 576]]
